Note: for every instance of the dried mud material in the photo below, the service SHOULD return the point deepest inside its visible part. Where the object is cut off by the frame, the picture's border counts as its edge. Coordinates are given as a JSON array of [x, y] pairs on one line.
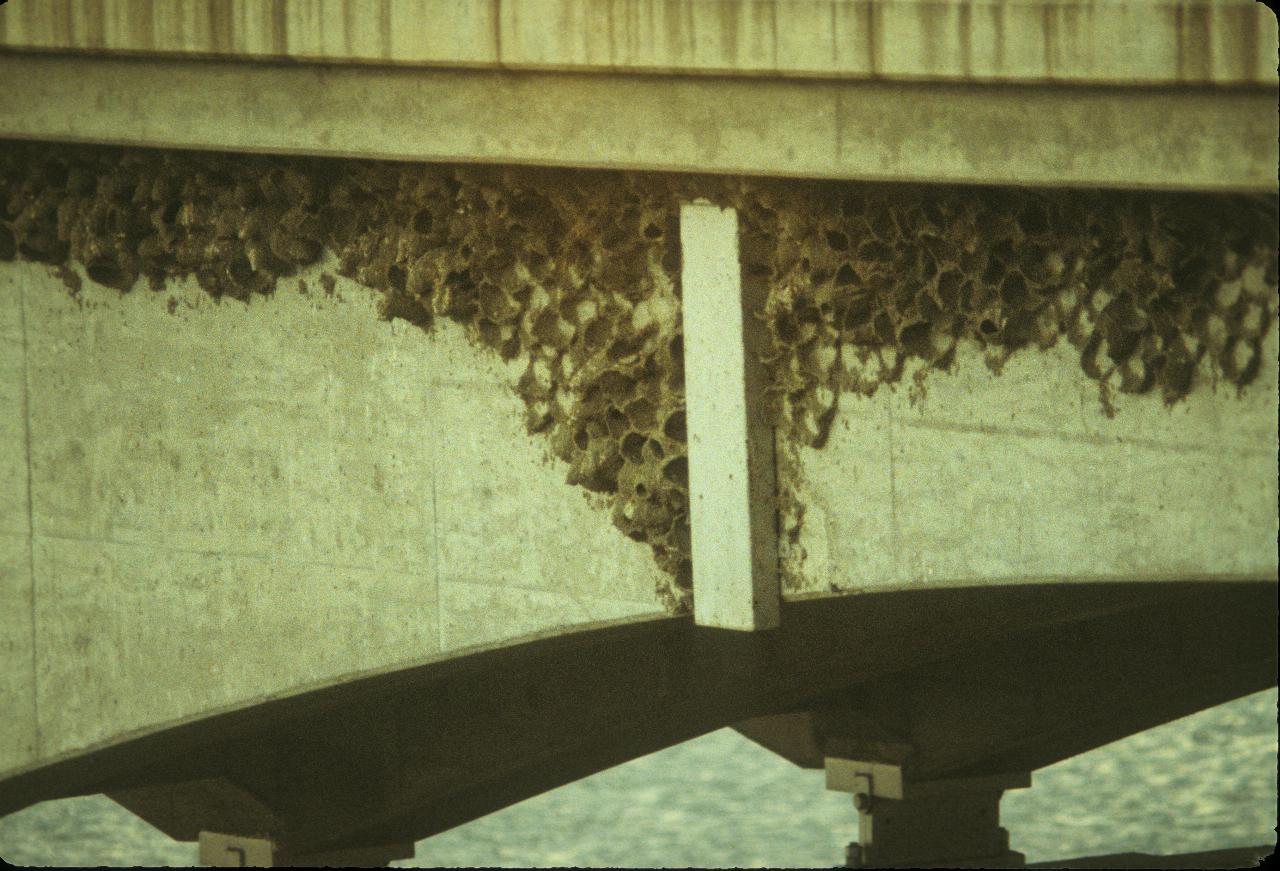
[[866, 285], [576, 275]]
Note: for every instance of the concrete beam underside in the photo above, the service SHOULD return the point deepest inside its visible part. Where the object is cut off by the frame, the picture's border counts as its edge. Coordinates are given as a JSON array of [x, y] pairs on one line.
[[412, 752], [1183, 138]]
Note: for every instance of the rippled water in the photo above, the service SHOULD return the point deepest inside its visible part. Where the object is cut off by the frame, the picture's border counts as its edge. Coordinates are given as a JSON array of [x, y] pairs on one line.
[[1204, 782]]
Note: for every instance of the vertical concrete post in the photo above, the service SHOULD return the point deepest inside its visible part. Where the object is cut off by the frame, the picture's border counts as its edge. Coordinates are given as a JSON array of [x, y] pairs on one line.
[[732, 483]]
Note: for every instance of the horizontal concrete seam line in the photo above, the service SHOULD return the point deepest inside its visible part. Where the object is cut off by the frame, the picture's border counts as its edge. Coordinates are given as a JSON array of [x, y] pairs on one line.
[[550, 591], [468, 383], [832, 173], [229, 554], [994, 581], [755, 73], [74, 114], [376, 71], [328, 60], [1089, 439], [373, 68], [266, 557]]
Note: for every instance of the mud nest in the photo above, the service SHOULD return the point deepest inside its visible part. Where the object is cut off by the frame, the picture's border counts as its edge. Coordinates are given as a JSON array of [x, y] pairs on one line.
[[577, 275], [862, 282], [865, 284]]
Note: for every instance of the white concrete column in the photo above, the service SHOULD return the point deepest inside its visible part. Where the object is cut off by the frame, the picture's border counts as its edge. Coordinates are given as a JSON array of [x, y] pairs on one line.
[[732, 486]]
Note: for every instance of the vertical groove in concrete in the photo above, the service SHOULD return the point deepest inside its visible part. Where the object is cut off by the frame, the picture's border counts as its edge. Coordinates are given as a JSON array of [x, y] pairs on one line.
[[893, 499], [31, 523], [496, 12], [435, 551]]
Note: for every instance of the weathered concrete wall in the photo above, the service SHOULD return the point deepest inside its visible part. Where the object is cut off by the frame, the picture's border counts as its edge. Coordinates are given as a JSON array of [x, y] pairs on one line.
[[1219, 41], [1021, 476], [17, 649], [232, 501], [1181, 138]]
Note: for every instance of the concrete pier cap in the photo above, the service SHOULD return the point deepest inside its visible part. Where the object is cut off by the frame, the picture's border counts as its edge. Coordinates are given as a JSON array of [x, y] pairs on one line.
[[333, 350]]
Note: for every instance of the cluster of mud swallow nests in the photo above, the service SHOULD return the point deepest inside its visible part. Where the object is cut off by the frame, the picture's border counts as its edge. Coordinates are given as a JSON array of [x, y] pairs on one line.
[[577, 276]]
